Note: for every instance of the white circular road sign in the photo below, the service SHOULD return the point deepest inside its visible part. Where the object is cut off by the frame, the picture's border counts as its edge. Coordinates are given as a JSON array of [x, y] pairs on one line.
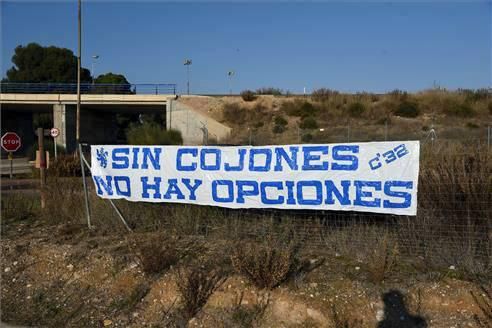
[[54, 132]]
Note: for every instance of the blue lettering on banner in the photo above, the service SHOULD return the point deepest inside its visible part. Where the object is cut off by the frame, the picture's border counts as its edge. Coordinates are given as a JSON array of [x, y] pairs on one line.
[[230, 191], [318, 193], [192, 187], [246, 188], [155, 187], [342, 197], [106, 185], [120, 161], [154, 159], [360, 194], [276, 185], [173, 189], [309, 157], [125, 181], [253, 155], [375, 177], [291, 161], [353, 161], [407, 197], [216, 159], [179, 159], [240, 165]]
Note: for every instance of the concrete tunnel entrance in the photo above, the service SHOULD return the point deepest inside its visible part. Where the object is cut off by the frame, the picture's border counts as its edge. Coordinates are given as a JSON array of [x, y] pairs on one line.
[[100, 124]]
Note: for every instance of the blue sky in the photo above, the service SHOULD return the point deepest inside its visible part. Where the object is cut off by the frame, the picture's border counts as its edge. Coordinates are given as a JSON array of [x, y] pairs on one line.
[[348, 46]]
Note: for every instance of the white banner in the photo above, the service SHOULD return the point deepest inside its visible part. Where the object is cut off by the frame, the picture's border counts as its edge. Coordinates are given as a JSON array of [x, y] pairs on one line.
[[376, 177]]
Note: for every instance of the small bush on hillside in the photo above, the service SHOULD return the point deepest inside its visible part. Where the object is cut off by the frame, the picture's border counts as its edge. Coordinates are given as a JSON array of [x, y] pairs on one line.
[[65, 166], [278, 129], [307, 137], [298, 108], [407, 109], [460, 110], [234, 113], [475, 95], [150, 133], [157, 253], [266, 264], [269, 91], [308, 123], [248, 95], [279, 120], [195, 285], [399, 94], [280, 124], [356, 109], [323, 94], [489, 106], [471, 125]]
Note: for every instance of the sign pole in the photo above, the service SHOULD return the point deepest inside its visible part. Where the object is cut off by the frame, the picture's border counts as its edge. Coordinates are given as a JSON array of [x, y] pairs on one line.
[[42, 165], [86, 194], [54, 141], [11, 159]]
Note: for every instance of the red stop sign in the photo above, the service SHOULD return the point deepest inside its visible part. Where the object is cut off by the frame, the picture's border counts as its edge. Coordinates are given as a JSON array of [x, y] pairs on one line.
[[11, 141]]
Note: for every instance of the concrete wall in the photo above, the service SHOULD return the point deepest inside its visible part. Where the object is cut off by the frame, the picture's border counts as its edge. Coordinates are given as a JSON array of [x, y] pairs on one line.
[[194, 125], [64, 118]]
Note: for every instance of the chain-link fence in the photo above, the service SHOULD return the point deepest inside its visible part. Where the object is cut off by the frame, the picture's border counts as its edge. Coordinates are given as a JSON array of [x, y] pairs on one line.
[[453, 225]]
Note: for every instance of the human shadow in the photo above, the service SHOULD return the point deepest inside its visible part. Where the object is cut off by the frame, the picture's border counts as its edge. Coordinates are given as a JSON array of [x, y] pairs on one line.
[[396, 314]]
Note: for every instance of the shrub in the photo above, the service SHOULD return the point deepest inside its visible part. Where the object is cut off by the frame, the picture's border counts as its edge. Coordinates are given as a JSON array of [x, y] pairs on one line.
[[382, 259], [475, 95], [65, 166], [323, 94], [150, 133], [267, 264], [269, 91], [279, 120], [489, 106], [460, 110], [356, 109], [298, 108], [248, 95], [278, 128], [407, 109], [398, 94], [157, 253], [471, 125], [249, 316], [234, 113], [307, 137], [308, 123], [196, 285]]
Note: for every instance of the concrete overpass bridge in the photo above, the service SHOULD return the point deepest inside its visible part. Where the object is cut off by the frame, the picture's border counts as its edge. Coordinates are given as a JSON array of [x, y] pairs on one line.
[[99, 114]]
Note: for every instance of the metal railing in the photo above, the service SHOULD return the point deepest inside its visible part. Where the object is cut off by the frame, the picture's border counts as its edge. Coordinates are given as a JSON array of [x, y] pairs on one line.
[[89, 88]]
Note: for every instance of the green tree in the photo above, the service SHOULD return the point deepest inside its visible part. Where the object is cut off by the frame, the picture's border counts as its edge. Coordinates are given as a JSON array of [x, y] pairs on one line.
[[111, 78], [35, 63], [151, 133], [119, 84]]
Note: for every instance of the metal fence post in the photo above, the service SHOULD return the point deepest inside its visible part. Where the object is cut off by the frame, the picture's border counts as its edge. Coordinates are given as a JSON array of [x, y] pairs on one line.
[[86, 194], [489, 136]]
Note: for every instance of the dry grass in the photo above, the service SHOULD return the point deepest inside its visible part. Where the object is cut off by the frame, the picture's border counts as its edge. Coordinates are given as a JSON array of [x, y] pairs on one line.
[[195, 284], [158, 253], [266, 264], [382, 259]]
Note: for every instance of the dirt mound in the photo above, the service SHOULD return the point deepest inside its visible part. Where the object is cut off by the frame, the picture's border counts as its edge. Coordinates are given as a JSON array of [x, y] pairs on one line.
[[68, 276]]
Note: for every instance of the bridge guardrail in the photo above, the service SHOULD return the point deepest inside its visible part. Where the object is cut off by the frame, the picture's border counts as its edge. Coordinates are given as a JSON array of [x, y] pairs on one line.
[[89, 88]]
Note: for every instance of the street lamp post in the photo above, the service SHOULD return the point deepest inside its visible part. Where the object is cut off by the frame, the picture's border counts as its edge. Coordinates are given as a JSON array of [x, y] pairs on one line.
[[230, 74], [188, 63], [79, 58], [94, 58]]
